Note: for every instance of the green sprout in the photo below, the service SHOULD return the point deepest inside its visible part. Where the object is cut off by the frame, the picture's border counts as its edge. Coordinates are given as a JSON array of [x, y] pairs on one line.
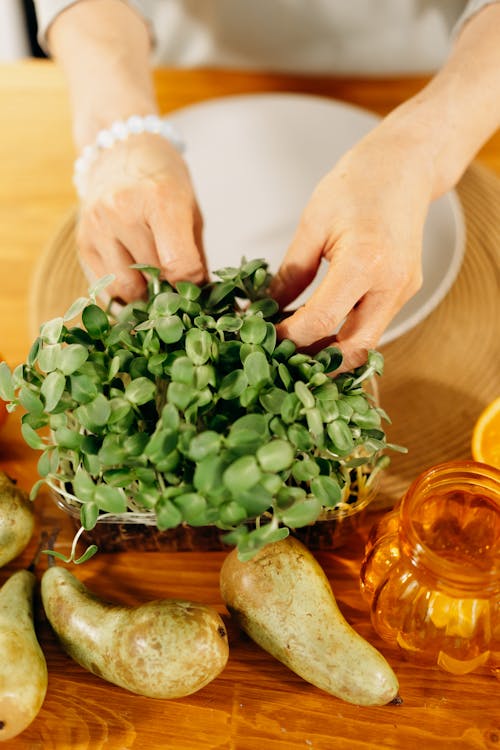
[[187, 406]]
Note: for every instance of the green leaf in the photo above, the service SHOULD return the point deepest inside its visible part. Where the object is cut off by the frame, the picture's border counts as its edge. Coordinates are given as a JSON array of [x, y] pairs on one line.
[[315, 425], [232, 513], [267, 306], [219, 292], [341, 436], [135, 444], [192, 506], [111, 452], [49, 357], [249, 396], [30, 401], [205, 444], [276, 455], [208, 475], [64, 437], [241, 475], [232, 385], [161, 443], [95, 413], [251, 266], [181, 395], [110, 499], [43, 465], [289, 495], [253, 330], [304, 394], [256, 423], [272, 400], [183, 371], [299, 436], [166, 303], [168, 515], [256, 500], [331, 358], [257, 369], [229, 323], [52, 389], [72, 358], [198, 345], [33, 352], [327, 490], [140, 391], [368, 420], [284, 350], [50, 332], [95, 321], [6, 385], [120, 408], [169, 328], [31, 437], [89, 513], [170, 417], [258, 538], [291, 408], [83, 486], [188, 290], [82, 388], [205, 321], [376, 361], [305, 470], [100, 285], [36, 488], [301, 513], [270, 340], [76, 308]]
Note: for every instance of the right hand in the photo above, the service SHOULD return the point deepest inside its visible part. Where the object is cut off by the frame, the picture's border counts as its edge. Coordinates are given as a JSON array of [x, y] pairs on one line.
[[140, 207]]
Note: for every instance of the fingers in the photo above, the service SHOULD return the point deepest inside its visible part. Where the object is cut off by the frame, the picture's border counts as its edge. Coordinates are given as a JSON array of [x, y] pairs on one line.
[[168, 237], [178, 242], [325, 311], [363, 328], [298, 269], [112, 257]]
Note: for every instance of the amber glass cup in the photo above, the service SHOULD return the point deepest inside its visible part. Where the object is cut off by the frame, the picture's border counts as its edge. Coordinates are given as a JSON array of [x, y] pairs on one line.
[[431, 570]]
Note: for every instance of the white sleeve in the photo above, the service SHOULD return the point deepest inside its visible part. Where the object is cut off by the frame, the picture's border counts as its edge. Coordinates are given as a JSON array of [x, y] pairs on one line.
[[471, 8], [48, 10]]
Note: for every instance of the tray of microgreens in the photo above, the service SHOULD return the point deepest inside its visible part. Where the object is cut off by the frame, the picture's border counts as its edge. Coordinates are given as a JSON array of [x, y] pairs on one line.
[[185, 409]]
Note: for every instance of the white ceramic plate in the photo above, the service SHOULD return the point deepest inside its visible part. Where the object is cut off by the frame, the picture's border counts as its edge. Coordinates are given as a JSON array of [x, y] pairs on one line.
[[255, 160]]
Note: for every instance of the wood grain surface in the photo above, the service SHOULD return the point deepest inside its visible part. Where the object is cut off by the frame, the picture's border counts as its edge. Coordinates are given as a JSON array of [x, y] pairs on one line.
[[256, 703]]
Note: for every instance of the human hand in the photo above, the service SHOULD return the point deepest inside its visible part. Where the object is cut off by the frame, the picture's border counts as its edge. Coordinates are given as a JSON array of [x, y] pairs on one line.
[[140, 207], [366, 218]]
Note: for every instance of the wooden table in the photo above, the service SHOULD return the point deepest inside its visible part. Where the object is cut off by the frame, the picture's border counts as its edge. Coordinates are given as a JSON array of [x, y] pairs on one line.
[[256, 703]]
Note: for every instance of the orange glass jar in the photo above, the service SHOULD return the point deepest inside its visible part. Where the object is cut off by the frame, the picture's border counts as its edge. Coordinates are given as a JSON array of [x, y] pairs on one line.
[[431, 570]]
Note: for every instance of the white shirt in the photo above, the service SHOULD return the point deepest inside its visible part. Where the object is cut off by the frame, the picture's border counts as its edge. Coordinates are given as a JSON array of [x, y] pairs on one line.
[[305, 36]]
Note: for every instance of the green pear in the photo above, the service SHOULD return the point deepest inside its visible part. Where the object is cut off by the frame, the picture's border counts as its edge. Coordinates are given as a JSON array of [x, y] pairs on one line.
[[167, 648], [16, 520], [282, 599], [23, 670]]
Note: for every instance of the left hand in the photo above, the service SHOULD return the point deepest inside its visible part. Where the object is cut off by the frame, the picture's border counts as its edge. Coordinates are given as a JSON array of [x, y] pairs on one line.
[[366, 218]]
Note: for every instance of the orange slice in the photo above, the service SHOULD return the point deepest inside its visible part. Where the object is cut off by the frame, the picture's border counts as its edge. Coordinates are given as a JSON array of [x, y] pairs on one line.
[[486, 435]]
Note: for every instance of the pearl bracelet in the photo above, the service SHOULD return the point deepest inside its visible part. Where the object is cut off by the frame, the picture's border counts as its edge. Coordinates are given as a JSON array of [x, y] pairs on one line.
[[119, 131]]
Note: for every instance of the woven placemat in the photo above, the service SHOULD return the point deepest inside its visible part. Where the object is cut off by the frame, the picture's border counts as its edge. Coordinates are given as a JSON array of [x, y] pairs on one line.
[[438, 376]]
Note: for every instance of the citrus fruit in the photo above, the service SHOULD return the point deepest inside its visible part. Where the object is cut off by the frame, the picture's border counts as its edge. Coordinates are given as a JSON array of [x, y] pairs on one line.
[[486, 435]]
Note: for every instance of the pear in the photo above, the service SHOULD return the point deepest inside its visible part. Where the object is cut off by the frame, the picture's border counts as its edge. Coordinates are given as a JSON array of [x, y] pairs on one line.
[[167, 648], [16, 520], [23, 670], [282, 599]]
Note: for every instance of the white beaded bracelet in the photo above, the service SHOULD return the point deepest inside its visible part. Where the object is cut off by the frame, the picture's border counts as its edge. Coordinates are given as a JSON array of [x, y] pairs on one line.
[[120, 131]]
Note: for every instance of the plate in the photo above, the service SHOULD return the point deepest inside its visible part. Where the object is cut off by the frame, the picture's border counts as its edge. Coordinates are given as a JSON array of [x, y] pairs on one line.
[[255, 160]]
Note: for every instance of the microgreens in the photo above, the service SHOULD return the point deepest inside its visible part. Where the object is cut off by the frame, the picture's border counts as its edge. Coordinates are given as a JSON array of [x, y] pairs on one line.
[[186, 406]]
